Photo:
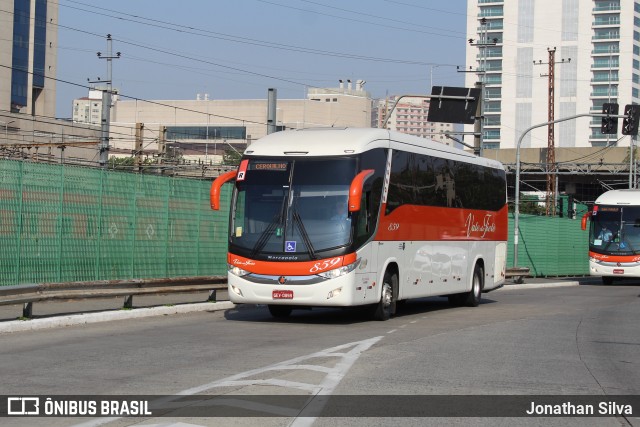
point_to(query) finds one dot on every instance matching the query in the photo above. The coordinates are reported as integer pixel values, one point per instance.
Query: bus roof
(619, 197)
(341, 141)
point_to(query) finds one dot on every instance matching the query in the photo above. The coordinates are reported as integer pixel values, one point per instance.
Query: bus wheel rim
(386, 295)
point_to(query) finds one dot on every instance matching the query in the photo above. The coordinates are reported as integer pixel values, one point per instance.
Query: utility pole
(162, 146)
(478, 126)
(106, 105)
(138, 150)
(481, 71)
(551, 193)
(633, 180)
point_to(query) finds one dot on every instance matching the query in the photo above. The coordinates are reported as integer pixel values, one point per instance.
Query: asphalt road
(570, 340)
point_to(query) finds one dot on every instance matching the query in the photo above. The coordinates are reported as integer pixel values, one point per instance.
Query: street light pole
(106, 104)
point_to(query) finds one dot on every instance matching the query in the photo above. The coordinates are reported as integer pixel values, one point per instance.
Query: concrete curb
(540, 285)
(107, 316)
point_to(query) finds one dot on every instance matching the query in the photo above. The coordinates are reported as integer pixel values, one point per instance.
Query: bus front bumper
(336, 292)
(615, 269)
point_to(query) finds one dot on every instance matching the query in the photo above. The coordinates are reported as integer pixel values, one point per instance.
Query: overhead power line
(200, 32)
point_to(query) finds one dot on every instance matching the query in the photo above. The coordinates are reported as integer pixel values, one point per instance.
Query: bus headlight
(237, 271)
(341, 271)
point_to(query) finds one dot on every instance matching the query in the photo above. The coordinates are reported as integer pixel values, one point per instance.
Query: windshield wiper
(266, 234)
(625, 242)
(303, 233)
(264, 237)
(610, 242)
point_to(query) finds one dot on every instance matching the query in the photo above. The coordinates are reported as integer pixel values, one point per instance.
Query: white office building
(597, 60)
(89, 109)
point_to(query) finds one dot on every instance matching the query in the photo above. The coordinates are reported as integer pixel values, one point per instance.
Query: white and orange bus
(347, 217)
(614, 235)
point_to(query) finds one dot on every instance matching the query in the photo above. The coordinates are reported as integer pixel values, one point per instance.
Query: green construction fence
(62, 223)
(550, 246)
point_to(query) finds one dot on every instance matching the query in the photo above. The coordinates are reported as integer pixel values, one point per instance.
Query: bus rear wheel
(280, 311)
(472, 298)
(386, 307)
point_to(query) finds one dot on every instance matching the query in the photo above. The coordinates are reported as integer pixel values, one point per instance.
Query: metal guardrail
(517, 273)
(28, 294)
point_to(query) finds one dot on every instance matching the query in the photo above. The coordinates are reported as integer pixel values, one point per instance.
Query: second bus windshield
(615, 230)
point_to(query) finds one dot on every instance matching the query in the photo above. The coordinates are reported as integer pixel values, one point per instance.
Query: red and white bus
(614, 235)
(347, 217)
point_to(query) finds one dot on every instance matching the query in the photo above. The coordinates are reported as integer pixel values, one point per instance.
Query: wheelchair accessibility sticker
(290, 246)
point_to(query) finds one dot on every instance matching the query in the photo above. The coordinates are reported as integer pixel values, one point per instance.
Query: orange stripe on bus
(290, 268)
(615, 258)
(426, 223)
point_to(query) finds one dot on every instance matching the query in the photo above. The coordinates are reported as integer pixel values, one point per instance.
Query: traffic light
(609, 124)
(630, 122)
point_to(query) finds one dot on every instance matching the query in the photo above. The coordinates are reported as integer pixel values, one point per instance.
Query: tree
(126, 163)
(529, 205)
(231, 157)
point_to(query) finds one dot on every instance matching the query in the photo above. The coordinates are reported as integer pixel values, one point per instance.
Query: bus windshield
(293, 208)
(615, 230)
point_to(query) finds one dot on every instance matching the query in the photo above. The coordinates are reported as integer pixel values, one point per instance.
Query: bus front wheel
(386, 307)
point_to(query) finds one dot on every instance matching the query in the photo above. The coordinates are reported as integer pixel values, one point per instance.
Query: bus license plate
(618, 271)
(282, 294)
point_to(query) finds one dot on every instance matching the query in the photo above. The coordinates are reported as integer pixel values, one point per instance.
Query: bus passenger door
(366, 285)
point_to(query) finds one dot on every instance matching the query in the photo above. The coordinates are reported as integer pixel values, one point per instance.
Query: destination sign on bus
(609, 209)
(598, 208)
(268, 166)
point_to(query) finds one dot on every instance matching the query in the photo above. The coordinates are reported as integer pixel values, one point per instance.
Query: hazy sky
(237, 49)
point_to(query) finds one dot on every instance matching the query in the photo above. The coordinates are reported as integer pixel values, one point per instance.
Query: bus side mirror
(214, 193)
(355, 190)
(585, 217)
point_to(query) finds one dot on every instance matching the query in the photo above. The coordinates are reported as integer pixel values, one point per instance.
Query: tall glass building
(599, 41)
(28, 43)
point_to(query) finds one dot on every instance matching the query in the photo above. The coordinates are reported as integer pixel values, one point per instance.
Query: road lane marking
(347, 354)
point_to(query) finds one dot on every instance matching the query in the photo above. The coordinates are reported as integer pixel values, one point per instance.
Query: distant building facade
(205, 128)
(28, 55)
(89, 109)
(410, 116)
(28, 45)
